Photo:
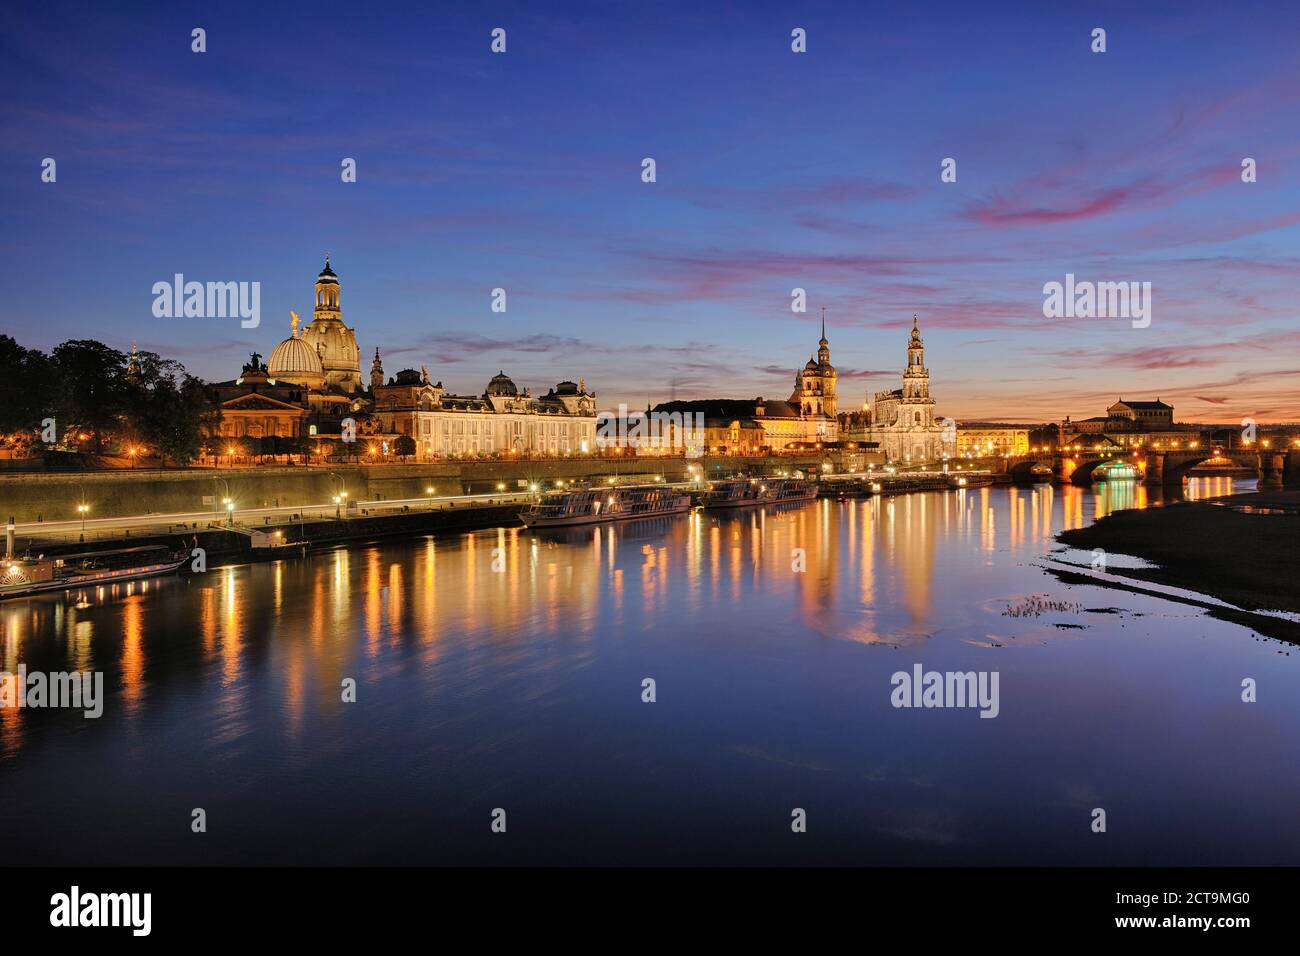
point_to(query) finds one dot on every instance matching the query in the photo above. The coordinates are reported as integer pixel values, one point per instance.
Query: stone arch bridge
(1275, 468)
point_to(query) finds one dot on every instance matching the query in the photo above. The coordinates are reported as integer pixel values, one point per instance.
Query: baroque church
(902, 421)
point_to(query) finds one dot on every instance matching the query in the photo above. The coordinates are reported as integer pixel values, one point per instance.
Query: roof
(730, 409)
(1156, 404)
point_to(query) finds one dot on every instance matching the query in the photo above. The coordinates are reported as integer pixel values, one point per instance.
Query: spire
(823, 323)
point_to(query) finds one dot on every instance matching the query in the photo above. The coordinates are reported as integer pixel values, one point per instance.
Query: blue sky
(775, 170)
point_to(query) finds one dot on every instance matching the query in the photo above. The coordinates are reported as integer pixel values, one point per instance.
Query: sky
(775, 170)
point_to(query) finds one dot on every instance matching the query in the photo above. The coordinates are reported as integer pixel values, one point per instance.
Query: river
(505, 670)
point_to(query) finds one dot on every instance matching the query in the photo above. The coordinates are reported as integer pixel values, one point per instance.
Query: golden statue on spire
(294, 322)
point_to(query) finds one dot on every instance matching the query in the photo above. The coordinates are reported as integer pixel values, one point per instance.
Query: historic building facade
(756, 426)
(814, 384)
(256, 406)
(311, 387)
(1130, 424)
(502, 420)
(991, 439)
(902, 422)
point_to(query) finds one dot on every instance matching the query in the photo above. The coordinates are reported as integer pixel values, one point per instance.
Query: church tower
(334, 342)
(916, 377)
(376, 372)
(827, 372)
(814, 385)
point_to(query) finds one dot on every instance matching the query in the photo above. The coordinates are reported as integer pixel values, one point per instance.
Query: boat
(1115, 471)
(757, 491)
(24, 577)
(558, 509)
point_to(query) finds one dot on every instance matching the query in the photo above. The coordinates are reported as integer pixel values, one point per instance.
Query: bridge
(1275, 468)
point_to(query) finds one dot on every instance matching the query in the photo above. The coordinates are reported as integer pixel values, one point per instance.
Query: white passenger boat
(757, 491)
(556, 509)
(24, 577)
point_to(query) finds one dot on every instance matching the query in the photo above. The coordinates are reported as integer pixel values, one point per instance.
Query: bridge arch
(1173, 467)
(1033, 469)
(1081, 472)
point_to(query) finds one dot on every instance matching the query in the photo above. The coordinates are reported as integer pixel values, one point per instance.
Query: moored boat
(742, 493)
(24, 577)
(556, 509)
(1115, 471)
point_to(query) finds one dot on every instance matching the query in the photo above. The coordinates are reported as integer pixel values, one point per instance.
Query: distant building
(500, 421)
(333, 342)
(1129, 424)
(256, 406)
(902, 421)
(737, 426)
(1146, 416)
(315, 369)
(991, 439)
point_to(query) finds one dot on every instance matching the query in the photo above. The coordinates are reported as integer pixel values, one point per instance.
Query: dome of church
(502, 385)
(295, 361)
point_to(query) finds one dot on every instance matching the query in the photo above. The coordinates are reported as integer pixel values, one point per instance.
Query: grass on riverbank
(1249, 560)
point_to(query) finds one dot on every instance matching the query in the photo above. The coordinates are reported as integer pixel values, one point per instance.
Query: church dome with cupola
(502, 384)
(333, 342)
(293, 360)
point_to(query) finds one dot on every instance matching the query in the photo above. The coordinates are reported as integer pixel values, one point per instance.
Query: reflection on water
(504, 668)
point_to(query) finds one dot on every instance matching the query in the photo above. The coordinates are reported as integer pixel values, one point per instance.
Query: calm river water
(521, 689)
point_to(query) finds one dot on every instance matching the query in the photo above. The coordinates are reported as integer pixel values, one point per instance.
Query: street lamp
(82, 509)
(224, 484)
(338, 501)
(230, 512)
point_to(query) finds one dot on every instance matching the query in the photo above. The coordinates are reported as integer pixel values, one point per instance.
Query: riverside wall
(54, 496)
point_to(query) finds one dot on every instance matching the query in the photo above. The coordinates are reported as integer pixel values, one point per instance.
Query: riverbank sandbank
(1248, 559)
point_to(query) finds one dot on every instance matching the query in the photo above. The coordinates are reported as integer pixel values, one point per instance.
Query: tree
(169, 409)
(404, 447)
(300, 445)
(29, 390)
(92, 384)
